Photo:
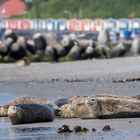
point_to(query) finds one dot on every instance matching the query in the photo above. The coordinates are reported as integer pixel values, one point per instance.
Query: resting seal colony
(31, 110)
(45, 102)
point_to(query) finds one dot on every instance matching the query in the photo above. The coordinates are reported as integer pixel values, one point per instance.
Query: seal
(61, 101)
(69, 111)
(110, 107)
(30, 113)
(80, 106)
(45, 102)
(76, 99)
(74, 107)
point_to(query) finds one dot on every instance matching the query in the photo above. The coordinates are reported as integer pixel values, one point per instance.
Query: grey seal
(30, 113)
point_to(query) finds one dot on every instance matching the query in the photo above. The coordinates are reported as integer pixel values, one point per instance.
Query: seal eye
(93, 100)
(14, 108)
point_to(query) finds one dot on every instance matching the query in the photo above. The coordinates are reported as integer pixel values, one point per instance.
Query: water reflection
(35, 133)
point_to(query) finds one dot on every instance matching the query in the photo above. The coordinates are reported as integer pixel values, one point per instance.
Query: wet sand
(54, 80)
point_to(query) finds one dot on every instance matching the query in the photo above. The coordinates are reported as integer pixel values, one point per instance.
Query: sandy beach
(55, 80)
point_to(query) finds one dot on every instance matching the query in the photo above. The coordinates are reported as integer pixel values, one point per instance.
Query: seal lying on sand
(61, 101)
(71, 111)
(84, 107)
(30, 113)
(110, 107)
(74, 107)
(45, 102)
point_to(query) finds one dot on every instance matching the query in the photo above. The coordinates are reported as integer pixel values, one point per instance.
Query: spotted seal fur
(78, 106)
(45, 102)
(110, 107)
(74, 103)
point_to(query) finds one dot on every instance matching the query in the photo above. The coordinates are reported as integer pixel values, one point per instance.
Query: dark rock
(64, 129)
(93, 130)
(79, 129)
(106, 128)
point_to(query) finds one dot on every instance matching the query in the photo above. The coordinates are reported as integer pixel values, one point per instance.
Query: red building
(10, 8)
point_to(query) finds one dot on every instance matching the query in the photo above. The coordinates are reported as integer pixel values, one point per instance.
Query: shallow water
(48, 131)
(5, 97)
(9, 132)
